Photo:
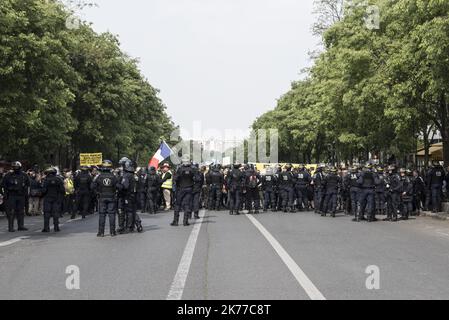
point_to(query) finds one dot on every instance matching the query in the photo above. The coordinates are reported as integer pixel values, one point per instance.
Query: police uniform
(15, 188)
(106, 185)
(53, 191)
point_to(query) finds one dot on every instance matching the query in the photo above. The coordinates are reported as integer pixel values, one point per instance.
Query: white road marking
(297, 272)
(12, 241)
(179, 282)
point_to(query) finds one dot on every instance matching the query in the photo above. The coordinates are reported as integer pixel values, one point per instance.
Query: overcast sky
(221, 62)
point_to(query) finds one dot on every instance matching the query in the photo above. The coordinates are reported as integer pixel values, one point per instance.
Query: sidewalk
(441, 215)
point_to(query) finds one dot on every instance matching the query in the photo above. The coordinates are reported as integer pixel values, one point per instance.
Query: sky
(219, 64)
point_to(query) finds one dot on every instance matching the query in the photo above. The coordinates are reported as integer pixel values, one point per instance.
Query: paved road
(268, 256)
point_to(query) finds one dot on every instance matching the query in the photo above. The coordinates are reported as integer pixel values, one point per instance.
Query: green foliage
(370, 90)
(70, 90)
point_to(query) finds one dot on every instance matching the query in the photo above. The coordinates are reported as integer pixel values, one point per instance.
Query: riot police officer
(406, 195)
(367, 184)
(198, 180)
(269, 182)
(286, 185)
(252, 179)
(82, 184)
(435, 178)
(184, 180)
(235, 182)
(106, 185)
(128, 187)
(393, 185)
(353, 185)
(303, 179)
(317, 181)
(53, 191)
(215, 180)
(154, 183)
(142, 190)
(14, 187)
(331, 185)
(380, 191)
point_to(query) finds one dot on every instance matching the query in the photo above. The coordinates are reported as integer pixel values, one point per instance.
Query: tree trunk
(445, 129)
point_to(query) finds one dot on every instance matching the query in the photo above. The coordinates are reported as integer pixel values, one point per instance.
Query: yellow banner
(91, 159)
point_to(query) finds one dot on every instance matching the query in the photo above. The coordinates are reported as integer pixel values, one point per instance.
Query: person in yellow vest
(167, 185)
(69, 197)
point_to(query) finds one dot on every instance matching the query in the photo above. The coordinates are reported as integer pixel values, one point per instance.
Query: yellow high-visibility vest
(169, 183)
(68, 185)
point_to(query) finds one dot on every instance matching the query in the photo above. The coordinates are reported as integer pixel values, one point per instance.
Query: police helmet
(106, 164)
(50, 171)
(16, 165)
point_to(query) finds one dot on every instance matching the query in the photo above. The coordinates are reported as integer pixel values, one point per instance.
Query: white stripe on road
(179, 282)
(300, 276)
(12, 241)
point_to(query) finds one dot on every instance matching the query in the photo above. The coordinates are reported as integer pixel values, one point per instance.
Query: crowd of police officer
(361, 191)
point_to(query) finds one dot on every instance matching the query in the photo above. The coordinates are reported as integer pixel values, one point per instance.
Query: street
(270, 256)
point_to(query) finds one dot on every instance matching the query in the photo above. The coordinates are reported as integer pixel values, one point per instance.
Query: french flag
(163, 153)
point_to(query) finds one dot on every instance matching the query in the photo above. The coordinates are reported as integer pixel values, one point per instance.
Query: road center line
(297, 272)
(12, 241)
(179, 282)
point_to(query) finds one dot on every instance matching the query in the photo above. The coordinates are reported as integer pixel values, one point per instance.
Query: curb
(439, 216)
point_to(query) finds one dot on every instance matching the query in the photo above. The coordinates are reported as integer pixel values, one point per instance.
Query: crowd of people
(365, 192)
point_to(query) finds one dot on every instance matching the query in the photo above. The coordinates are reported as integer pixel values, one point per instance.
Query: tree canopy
(65, 91)
(370, 91)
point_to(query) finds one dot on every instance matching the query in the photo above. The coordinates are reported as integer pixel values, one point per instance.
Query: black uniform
(393, 196)
(435, 178)
(142, 191)
(197, 188)
(286, 189)
(184, 181)
(252, 180)
(15, 188)
(303, 180)
(106, 186)
(367, 183)
(407, 197)
(154, 183)
(331, 184)
(318, 178)
(215, 180)
(128, 187)
(82, 184)
(235, 182)
(53, 191)
(269, 183)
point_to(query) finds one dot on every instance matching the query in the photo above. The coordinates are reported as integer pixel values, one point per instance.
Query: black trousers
(330, 202)
(52, 209)
(269, 199)
(15, 209)
(107, 207)
(252, 199)
(83, 201)
(183, 203)
(152, 201)
(235, 197)
(196, 201)
(214, 197)
(302, 197)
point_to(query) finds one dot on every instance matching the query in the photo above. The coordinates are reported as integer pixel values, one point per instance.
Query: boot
(197, 216)
(186, 219)
(57, 228)
(139, 227)
(100, 234)
(256, 212)
(11, 225)
(333, 215)
(231, 212)
(175, 222)
(113, 233)
(73, 216)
